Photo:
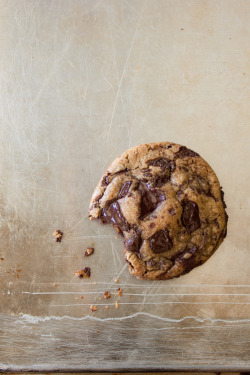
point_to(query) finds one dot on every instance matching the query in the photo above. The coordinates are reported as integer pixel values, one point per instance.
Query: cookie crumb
(119, 290)
(116, 280)
(116, 305)
(82, 297)
(100, 298)
(58, 235)
(106, 307)
(55, 284)
(89, 251)
(95, 282)
(93, 308)
(84, 273)
(2, 258)
(106, 294)
(76, 298)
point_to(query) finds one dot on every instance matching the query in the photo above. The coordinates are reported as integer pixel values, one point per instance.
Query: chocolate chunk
(160, 241)
(133, 243)
(150, 199)
(151, 225)
(185, 152)
(167, 166)
(159, 162)
(105, 181)
(204, 185)
(113, 215)
(124, 189)
(190, 216)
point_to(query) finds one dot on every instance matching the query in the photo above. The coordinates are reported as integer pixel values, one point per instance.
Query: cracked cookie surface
(166, 201)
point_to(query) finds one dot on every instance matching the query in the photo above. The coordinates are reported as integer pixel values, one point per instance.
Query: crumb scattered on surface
(106, 294)
(119, 290)
(100, 298)
(58, 235)
(93, 308)
(2, 258)
(116, 305)
(55, 284)
(182, 28)
(82, 297)
(84, 273)
(131, 297)
(89, 251)
(95, 282)
(106, 307)
(97, 330)
(76, 298)
(116, 280)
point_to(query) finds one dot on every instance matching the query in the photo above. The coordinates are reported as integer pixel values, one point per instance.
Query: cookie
(166, 201)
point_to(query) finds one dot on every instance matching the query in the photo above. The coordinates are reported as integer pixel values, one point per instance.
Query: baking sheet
(82, 81)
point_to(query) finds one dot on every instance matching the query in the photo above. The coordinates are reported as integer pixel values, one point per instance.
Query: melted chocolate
(190, 216)
(160, 241)
(150, 199)
(124, 189)
(185, 152)
(112, 214)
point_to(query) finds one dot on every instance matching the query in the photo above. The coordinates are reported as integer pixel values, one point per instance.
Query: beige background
(82, 81)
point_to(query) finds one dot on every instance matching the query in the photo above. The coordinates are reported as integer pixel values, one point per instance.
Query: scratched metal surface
(81, 81)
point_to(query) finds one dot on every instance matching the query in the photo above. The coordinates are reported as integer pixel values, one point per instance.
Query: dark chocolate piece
(105, 181)
(113, 215)
(150, 199)
(185, 152)
(160, 241)
(190, 216)
(160, 162)
(124, 189)
(133, 243)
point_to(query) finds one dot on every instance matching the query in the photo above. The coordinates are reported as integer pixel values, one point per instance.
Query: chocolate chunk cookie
(166, 202)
